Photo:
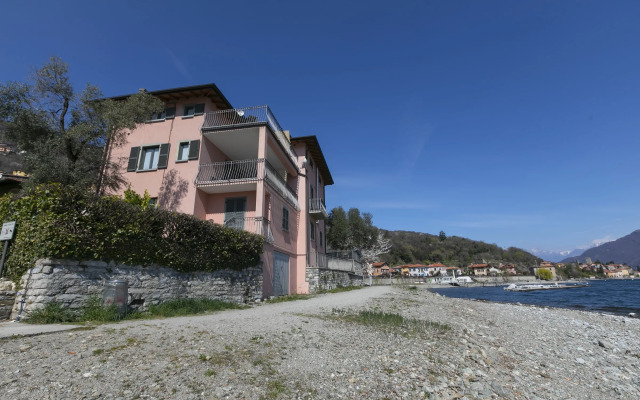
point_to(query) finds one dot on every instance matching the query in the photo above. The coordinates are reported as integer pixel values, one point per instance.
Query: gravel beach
(295, 350)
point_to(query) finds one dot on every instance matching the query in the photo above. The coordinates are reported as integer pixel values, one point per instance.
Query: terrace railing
(257, 225)
(317, 260)
(243, 171)
(316, 206)
(249, 116)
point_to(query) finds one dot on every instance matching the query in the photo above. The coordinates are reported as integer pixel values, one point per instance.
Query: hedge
(57, 222)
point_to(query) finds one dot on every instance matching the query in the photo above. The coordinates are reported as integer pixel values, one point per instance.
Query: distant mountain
(624, 250)
(556, 256)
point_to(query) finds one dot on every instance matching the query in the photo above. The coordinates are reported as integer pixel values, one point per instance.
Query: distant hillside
(624, 250)
(416, 247)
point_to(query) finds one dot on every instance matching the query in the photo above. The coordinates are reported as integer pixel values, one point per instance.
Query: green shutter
(170, 112)
(163, 159)
(133, 159)
(199, 109)
(194, 149)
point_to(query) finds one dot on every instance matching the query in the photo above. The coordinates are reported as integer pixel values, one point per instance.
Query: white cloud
(598, 242)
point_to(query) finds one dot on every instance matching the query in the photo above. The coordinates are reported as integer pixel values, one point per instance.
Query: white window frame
(142, 158)
(186, 156)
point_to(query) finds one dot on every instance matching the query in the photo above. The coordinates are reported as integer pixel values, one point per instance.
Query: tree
(442, 236)
(66, 135)
(351, 230)
(381, 246)
(544, 274)
(338, 233)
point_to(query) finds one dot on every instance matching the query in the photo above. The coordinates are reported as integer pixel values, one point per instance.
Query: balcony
(242, 175)
(257, 225)
(317, 209)
(247, 117)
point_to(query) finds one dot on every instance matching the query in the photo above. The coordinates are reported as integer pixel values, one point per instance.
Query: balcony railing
(244, 171)
(316, 260)
(249, 116)
(317, 208)
(257, 225)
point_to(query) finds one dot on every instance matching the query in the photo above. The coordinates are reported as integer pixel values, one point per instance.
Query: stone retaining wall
(339, 264)
(7, 298)
(326, 279)
(72, 282)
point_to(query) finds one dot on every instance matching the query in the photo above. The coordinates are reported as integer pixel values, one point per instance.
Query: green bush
(544, 274)
(51, 313)
(95, 311)
(57, 222)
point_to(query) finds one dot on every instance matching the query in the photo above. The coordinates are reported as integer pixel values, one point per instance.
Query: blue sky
(511, 122)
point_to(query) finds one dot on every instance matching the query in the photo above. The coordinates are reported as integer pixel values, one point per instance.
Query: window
(285, 219)
(311, 191)
(183, 151)
(188, 150)
(190, 110)
(321, 239)
(153, 202)
(148, 158)
(312, 230)
(167, 113)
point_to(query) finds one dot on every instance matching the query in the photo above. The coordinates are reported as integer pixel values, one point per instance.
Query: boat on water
(528, 287)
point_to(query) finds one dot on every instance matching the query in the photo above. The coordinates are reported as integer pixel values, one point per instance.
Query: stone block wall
(72, 282)
(339, 264)
(326, 279)
(7, 298)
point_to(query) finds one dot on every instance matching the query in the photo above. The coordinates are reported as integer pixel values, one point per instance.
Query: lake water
(614, 296)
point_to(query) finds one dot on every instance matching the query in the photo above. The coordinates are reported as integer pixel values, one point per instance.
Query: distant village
(437, 270)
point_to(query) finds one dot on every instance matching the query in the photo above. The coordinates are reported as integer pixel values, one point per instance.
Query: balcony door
(234, 211)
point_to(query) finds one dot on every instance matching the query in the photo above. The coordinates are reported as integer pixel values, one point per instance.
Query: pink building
(235, 167)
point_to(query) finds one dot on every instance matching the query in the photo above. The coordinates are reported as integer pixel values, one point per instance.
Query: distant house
(479, 269)
(417, 270)
(508, 269)
(377, 268)
(12, 183)
(616, 273)
(434, 269)
(545, 265)
(6, 148)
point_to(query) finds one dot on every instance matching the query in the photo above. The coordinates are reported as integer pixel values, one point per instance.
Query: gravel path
(289, 350)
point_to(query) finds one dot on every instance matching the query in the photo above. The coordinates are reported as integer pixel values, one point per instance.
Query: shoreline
(544, 299)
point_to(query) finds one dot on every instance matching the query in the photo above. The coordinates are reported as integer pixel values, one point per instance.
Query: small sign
(7, 230)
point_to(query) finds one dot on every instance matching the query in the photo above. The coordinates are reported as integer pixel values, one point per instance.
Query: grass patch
(275, 389)
(51, 313)
(179, 307)
(95, 311)
(290, 297)
(391, 322)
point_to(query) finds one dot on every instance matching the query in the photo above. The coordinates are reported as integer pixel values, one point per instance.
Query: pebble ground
(296, 350)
